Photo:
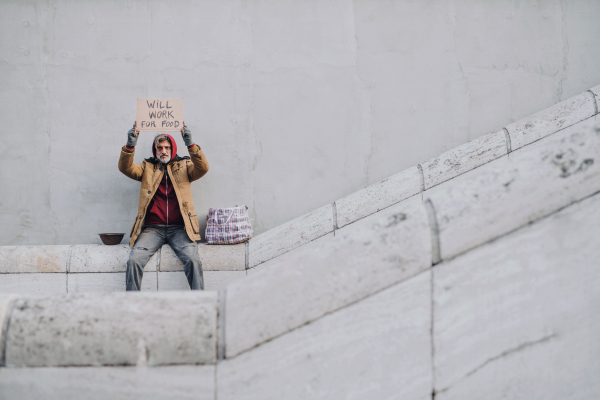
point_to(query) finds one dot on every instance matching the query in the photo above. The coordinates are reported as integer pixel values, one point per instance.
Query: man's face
(163, 151)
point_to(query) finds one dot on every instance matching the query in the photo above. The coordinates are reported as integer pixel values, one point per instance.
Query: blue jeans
(150, 240)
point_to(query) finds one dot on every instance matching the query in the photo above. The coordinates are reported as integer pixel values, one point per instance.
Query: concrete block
(216, 280)
(378, 196)
(226, 257)
(518, 317)
(101, 258)
(107, 282)
(290, 235)
(116, 383)
(33, 283)
(464, 158)
(363, 258)
(20, 259)
(291, 255)
(113, 329)
(222, 257)
(512, 191)
(378, 348)
(172, 281)
(213, 280)
(551, 120)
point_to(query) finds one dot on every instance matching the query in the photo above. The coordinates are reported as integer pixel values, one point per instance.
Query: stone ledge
(142, 329)
(101, 258)
(290, 235)
(89, 258)
(378, 196)
(33, 259)
(464, 158)
(510, 192)
(282, 259)
(551, 120)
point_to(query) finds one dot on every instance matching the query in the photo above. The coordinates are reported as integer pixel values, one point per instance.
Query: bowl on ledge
(111, 238)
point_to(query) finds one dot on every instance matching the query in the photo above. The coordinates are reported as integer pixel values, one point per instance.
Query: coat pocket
(194, 222)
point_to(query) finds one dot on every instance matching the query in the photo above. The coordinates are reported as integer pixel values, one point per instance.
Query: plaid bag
(228, 225)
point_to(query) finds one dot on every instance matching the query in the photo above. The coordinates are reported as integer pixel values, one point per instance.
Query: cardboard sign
(159, 114)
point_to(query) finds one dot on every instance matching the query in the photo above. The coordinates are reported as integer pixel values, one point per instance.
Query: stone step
(92, 329)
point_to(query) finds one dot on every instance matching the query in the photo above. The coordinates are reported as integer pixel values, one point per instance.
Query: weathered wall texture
(296, 104)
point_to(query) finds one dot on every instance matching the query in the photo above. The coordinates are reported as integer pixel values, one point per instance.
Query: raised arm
(199, 166)
(126, 165)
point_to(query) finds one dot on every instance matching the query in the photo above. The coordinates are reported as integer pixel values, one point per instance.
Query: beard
(164, 160)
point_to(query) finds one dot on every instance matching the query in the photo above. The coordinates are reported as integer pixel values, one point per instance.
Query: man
(166, 211)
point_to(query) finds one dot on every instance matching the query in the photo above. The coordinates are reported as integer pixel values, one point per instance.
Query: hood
(173, 147)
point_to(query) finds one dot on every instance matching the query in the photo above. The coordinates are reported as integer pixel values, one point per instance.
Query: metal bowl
(111, 238)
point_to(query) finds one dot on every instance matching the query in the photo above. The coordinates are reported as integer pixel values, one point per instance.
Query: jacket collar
(154, 161)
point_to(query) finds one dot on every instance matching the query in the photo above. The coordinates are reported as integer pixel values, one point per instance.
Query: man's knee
(189, 252)
(139, 256)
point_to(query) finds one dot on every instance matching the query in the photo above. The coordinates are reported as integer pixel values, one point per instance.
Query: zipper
(167, 193)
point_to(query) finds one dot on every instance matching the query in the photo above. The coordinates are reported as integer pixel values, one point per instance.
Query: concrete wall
(295, 104)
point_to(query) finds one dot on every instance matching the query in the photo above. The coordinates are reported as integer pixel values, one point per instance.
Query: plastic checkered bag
(228, 225)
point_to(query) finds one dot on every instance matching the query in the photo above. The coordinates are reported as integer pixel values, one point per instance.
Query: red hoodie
(164, 207)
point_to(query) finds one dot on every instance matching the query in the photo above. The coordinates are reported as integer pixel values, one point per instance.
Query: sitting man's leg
(146, 244)
(187, 251)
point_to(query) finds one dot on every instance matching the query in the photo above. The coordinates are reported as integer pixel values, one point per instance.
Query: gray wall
(295, 104)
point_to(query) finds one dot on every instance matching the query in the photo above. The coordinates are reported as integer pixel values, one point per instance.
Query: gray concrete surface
(33, 283)
(375, 349)
(295, 104)
(213, 280)
(184, 382)
(362, 259)
(107, 282)
(518, 317)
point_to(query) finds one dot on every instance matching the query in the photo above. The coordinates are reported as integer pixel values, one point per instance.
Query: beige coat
(182, 171)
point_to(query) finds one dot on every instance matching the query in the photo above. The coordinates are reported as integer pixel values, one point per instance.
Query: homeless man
(166, 210)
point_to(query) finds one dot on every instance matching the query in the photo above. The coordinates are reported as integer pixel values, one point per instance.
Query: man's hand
(186, 134)
(132, 136)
